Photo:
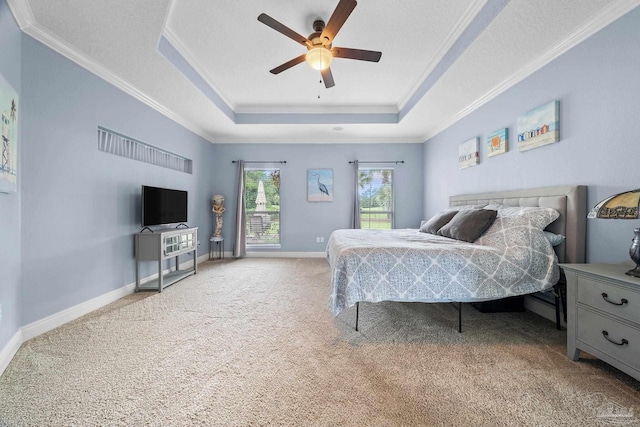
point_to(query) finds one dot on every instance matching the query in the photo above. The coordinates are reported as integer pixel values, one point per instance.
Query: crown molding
(456, 31)
(608, 15)
(178, 54)
(323, 141)
(197, 66)
(26, 20)
(22, 13)
(28, 24)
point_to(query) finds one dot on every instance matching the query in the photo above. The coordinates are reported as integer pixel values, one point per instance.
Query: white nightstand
(603, 314)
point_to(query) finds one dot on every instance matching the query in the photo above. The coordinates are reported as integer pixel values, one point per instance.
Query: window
(262, 206)
(376, 198)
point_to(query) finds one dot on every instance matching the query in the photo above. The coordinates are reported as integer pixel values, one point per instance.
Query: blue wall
(599, 91)
(67, 233)
(302, 221)
(10, 247)
(81, 206)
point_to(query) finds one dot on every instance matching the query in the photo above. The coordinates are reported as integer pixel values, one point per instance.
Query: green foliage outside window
(376, 198)
(271, 181)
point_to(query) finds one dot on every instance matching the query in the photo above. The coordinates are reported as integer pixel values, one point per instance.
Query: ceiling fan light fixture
(319, 58)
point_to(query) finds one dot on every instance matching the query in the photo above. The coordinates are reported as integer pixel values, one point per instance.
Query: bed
(411, 266)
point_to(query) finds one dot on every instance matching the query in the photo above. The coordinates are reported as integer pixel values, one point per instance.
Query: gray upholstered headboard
(569, 200)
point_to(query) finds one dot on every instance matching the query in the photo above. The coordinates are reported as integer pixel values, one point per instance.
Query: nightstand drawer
(590, 292)
(592, 328)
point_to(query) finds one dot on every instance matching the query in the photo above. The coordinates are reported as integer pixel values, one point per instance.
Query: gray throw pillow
(469, 224)
(554, 239)
(437, 222)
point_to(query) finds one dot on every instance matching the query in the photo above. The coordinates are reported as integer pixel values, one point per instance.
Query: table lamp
(622, 206)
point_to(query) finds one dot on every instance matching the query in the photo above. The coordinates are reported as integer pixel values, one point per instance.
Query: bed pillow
(554, 239)
(469, 224)
(437, 222)
(519, 238)
(538, 216)
(464, 207)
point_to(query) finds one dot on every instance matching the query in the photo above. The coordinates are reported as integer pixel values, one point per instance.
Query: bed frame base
(459, 316)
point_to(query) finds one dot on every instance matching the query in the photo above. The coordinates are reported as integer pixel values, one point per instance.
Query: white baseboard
(10, 350)
(48, 323)
(201, 259)
(60, 318)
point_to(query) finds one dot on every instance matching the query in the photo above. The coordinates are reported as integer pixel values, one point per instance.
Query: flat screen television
(163, 206)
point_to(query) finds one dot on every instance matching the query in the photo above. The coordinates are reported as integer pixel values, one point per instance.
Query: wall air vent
(124, 146)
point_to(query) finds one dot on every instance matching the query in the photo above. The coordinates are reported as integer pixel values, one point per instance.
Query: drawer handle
(605, 334)
(623, 301)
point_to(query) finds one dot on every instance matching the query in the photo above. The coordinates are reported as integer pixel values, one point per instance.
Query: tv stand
(161, 245)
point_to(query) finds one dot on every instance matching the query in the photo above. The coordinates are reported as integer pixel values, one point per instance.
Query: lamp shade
(619, 206)
(319, 58)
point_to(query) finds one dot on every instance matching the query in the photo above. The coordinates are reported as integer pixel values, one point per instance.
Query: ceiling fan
(319, 51)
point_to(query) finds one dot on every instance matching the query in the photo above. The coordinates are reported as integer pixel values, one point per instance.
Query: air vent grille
(124, 146)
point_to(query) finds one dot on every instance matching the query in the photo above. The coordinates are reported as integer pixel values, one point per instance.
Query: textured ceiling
(206, 63)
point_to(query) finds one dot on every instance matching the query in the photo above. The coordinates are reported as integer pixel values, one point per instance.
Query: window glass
(376, 198)
(262, 206)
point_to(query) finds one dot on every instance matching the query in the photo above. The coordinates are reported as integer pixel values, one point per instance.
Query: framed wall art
(497, 142)
(320, 185)
(468, 153)
(9, 143)
(539, 127)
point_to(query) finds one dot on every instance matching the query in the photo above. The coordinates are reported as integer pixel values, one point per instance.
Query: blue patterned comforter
(511, 258)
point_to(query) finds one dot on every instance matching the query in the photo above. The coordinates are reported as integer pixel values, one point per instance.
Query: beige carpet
(251, 342)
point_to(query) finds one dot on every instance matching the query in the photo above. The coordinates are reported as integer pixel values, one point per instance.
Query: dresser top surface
(165, 231)
(611, 271)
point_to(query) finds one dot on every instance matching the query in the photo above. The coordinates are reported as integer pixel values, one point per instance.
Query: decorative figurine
(218, 209)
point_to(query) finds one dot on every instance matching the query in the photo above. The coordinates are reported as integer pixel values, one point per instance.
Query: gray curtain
(356, 196)
(240, 244)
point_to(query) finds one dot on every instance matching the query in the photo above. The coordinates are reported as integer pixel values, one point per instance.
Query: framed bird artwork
(320, 185)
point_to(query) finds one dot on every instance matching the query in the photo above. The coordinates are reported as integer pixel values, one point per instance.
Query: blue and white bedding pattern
(513, 257)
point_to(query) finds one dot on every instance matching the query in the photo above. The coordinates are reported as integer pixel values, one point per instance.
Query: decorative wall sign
(468, 153)
(497, 142)
(9, 143)
(320, 185)
(539, 127)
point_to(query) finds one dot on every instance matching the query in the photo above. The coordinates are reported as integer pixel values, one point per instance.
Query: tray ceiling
(205, 64)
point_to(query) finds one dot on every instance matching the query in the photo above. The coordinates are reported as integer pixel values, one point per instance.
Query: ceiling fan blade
(283, 29)
(289, 64)
(327, 78)
(359, 54)
(339, 16)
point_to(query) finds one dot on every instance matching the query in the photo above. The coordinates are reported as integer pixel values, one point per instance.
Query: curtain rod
(261, 161)
(384, 161)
